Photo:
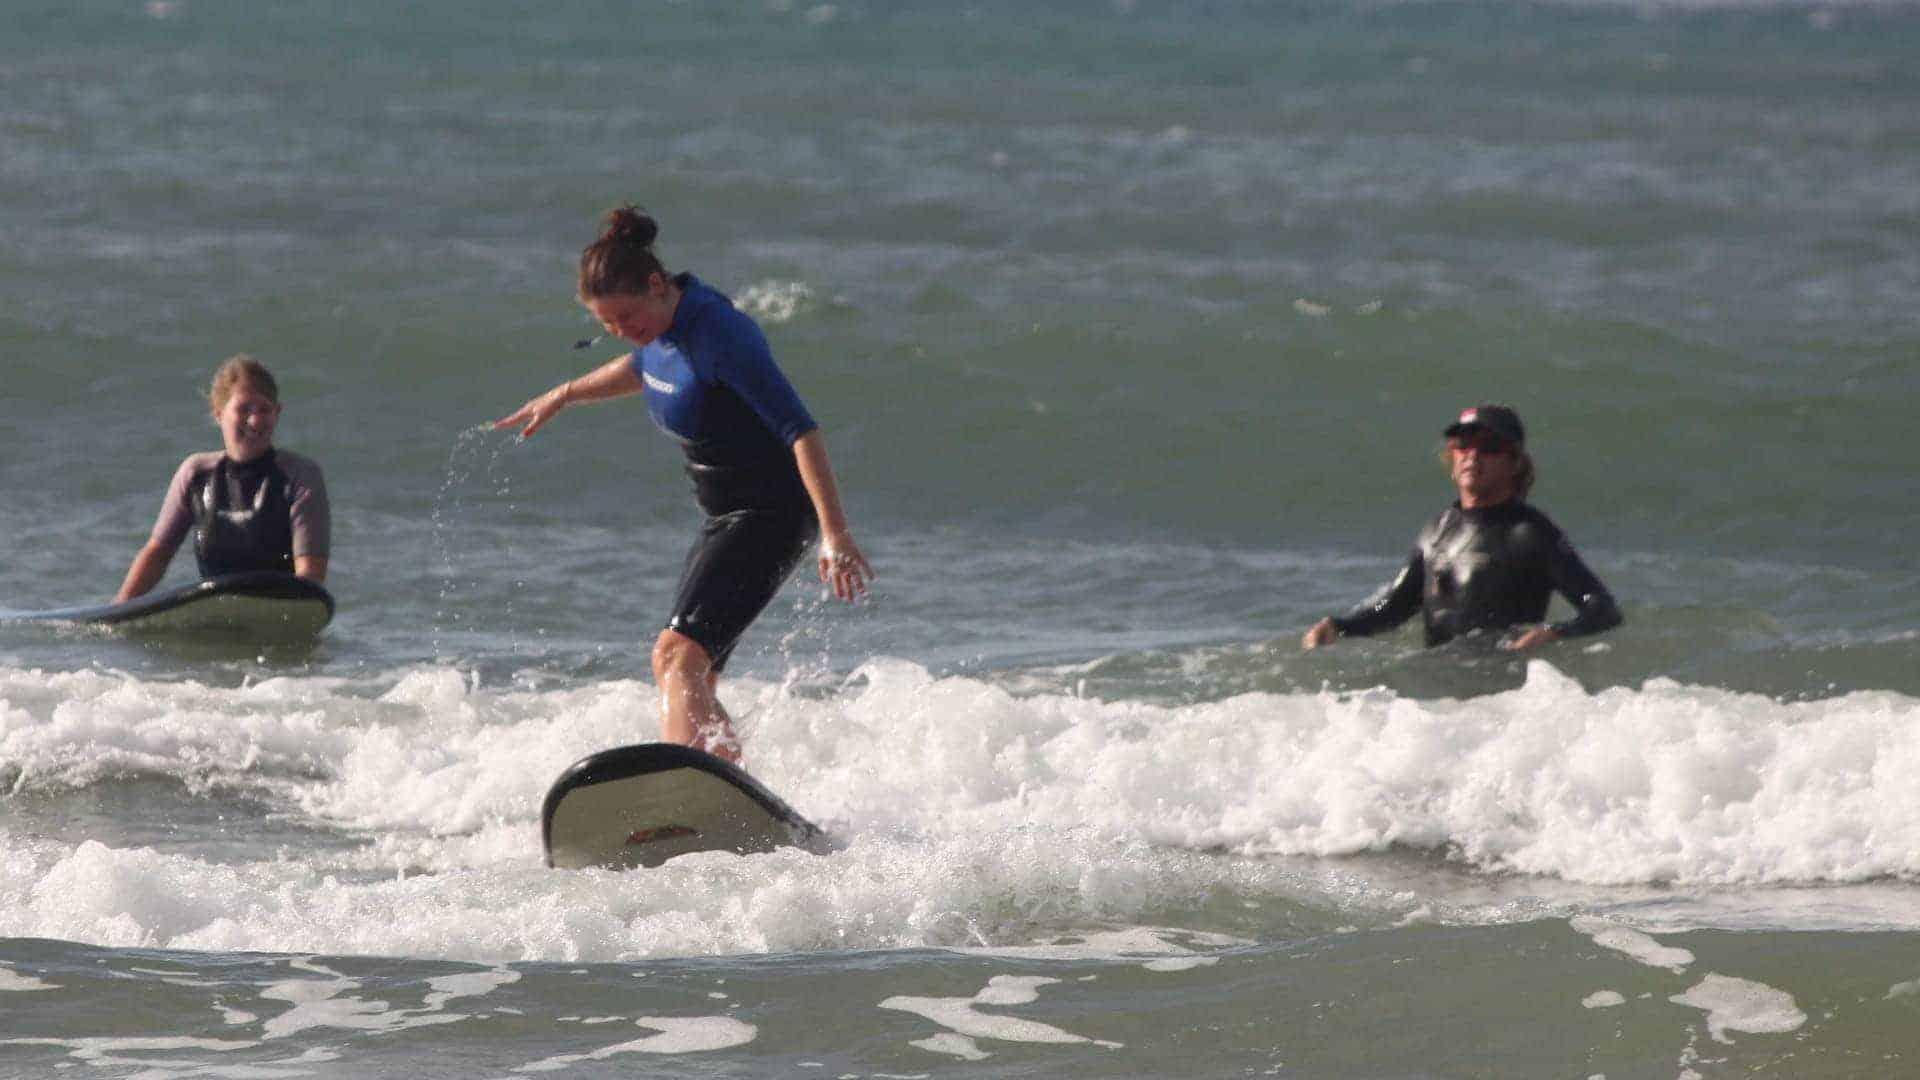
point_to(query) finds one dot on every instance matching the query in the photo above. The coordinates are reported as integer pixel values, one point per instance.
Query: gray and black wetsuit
(245, 516)
(1485, 570)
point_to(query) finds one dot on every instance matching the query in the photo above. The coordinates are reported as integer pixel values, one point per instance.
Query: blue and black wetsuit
(1483, 571)
(711, 383)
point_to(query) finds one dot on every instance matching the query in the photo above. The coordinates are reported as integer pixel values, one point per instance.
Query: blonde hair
(238, 369)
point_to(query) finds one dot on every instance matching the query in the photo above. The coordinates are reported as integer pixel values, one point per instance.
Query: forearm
(816, 472)
(1389, 607)
(311, 567)
(1594, 609)
(149, 566)
(615, 378)
(1593, 614)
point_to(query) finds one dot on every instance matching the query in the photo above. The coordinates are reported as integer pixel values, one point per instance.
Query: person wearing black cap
(1489, 563)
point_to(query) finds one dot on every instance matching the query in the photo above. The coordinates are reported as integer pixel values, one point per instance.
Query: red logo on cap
(1469, 416)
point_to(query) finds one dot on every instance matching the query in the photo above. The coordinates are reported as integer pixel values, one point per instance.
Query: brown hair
(238, 369)
(1522, 474)
(621, 262)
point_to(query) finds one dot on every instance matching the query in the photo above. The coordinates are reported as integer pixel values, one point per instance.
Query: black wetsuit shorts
(759, 526)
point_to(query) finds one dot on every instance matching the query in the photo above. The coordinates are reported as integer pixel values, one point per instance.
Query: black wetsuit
(242, 518)
(1485, 570)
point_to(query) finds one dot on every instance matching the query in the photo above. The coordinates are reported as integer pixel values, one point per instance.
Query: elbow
(1608, 616)
(1597, 616)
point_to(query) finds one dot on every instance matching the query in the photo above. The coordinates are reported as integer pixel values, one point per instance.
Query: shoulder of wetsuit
(1532, 515)
(1437, 524)
(294, 464)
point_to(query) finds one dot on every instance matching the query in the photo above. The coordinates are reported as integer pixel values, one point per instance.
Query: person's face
(1485, 467)
(246, 422)
(638, 317)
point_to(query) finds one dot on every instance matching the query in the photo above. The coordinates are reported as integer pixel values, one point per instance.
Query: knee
(677, 655)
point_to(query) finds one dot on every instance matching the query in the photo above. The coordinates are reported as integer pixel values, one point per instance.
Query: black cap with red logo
(1493, 419)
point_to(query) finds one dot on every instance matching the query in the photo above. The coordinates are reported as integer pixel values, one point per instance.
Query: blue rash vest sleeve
(743, 362)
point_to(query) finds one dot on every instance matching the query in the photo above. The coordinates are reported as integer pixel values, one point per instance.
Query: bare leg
(690, 709)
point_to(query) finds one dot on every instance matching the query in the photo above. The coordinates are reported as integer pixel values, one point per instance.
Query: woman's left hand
(844, 567)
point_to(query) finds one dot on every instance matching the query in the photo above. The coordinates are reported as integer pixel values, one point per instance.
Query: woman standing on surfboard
(757, 459)
(249, 506)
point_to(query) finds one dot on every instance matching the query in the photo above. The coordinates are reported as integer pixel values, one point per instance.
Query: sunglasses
(1480, 443)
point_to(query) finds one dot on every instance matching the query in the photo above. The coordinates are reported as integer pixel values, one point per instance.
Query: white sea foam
(112, 1053)
(953, 1045)
(1180, 963)
(1666, 783)
(1158, 942)
(877, 893)
(12, 981)
(775, 301)
(325, 1003)
(1603, 999)
(470, 984)
(1624, 939)
(676, 1035)
(1742, 1005)
(973, 816)
(961, 1017)
(75, 728)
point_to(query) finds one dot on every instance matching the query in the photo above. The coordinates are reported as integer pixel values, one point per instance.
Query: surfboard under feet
(638, 806)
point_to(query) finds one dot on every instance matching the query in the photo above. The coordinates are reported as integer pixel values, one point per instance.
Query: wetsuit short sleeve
(309, 512)
(1391, 606)
(743, 362)
(176, 510)
(1594, 607)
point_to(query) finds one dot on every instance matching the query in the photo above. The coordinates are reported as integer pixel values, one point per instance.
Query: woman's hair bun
(621, 261)
(630, 225)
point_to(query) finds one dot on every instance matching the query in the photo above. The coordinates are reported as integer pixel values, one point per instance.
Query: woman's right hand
(534, 415)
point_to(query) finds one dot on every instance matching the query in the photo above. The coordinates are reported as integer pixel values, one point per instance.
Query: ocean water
(1132, 327)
